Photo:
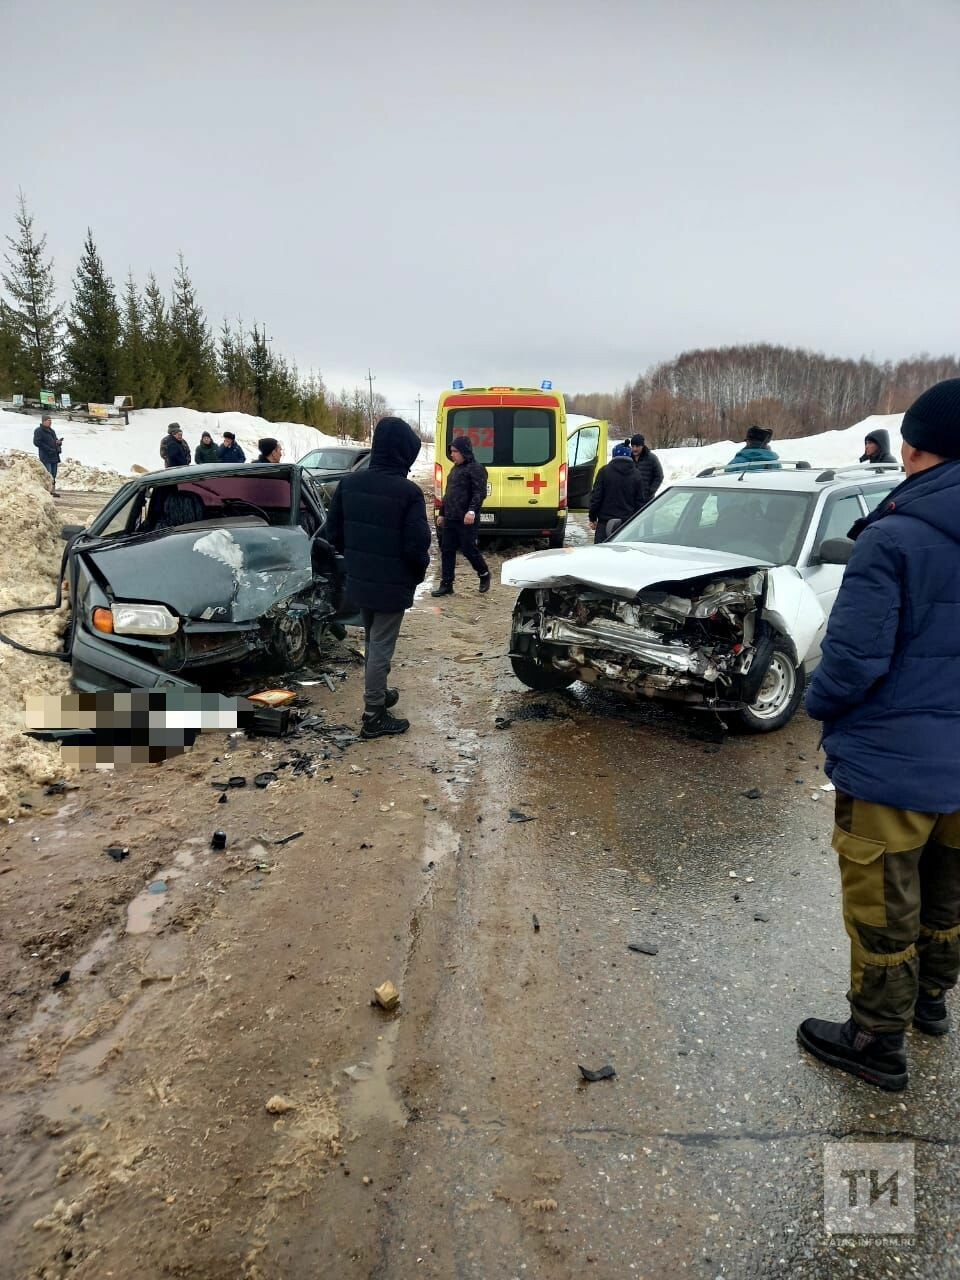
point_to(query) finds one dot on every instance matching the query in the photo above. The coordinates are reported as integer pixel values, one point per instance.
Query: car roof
(814, 480)
(173, 474)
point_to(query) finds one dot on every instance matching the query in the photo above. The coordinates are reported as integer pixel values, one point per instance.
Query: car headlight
(143, 620)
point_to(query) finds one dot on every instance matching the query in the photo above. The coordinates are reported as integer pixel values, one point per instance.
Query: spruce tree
(93, 331)
(36, 317)
(14, 371)
(139, 377)
(236, 374)
(192, 344)
(160, 345)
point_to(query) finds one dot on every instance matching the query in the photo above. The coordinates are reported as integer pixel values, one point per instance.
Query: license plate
(487, 517)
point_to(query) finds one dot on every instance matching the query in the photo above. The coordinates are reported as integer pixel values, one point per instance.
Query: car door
(586, 452)
(839, 512)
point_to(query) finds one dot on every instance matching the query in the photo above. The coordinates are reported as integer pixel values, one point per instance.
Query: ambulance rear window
(506, 437)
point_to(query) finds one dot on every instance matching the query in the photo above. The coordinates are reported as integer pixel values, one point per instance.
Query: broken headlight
(143, 620)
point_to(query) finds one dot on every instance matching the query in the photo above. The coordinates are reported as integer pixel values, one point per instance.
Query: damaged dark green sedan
(196, 568)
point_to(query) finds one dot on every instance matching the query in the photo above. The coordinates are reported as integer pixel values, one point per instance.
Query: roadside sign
(48, 398)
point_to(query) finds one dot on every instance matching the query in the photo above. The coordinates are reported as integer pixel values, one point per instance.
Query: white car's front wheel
(778, 697)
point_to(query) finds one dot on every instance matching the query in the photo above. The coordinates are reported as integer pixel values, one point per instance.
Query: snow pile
(30, 553)
(116, 447)
(830, 449)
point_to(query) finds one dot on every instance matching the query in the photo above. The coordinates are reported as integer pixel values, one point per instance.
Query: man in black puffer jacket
(378, 519)
(648, 466)
(617, 493)
(459, 517)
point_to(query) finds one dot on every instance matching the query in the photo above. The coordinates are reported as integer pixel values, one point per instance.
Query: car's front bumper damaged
(698, 641)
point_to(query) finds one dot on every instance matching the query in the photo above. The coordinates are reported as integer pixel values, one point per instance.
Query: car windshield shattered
(759, 524)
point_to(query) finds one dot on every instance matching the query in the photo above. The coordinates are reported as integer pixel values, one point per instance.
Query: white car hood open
(624, 568)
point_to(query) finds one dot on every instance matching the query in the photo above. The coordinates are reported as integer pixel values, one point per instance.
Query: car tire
(540, 676)
(780, 695)
(290, 642)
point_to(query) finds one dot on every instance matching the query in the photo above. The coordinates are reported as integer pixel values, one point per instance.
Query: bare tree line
(715, 394)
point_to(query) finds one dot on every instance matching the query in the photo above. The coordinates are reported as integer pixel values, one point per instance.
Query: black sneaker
(484, 583)
(878, 1059)
(930, 1015)
(444, 589)
(392, 698)
(381, 724)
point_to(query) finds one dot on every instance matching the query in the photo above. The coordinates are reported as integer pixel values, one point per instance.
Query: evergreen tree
(93, 331)
(171, 387)
(261, 366)
(236, 374)
(139, 377)
(192, 344)
(36, 317)
(14, 372)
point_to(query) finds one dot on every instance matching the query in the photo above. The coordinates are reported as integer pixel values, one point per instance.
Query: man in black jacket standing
(174, 450)
(459, 517)
(378, 520)
(617, 493)
(648, 466)
(48, 445)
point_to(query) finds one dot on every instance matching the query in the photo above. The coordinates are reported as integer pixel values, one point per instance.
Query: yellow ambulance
(539, 467)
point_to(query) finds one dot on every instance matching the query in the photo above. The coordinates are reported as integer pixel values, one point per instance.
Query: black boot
(880, 1059)
(444, 589)
(930, 1015)
(392, 698)
(484, 583)
(379, 723)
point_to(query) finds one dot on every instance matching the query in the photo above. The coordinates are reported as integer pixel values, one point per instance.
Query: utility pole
(419, 403)
(371, 380)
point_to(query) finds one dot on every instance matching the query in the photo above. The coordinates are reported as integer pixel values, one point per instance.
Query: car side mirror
(835, 550)
(71, 531)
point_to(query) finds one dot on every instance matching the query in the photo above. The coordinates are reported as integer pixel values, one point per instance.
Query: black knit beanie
(266, 446)
(759, 436)
(462, 445)
(932, 423)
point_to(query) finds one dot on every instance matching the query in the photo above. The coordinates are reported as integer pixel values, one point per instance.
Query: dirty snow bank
(30, 554)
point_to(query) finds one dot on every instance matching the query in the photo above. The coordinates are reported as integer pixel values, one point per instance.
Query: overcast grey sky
(505, 191)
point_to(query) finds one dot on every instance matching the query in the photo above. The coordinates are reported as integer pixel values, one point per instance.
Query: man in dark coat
(876, 447)
(206, 451)
(888, 693)
(617, 493)
(230, 451)
(378, 519)
(458, 519)
(48, 445)
(174, 450)
(271, 450)
(648, 467)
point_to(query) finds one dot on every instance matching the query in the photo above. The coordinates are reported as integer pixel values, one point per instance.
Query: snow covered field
(122, 448)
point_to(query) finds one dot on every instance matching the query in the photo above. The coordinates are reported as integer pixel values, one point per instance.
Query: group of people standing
(628, 482)
(175, 451)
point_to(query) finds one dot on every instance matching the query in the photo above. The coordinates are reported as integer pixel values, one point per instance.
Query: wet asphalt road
(704, 1156)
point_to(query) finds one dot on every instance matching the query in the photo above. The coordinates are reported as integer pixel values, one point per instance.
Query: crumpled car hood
(216, 573)
(624, 568)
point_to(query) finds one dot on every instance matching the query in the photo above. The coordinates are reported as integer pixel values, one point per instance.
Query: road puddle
(440, 843)
(371, 1097)
(85, 1100)
(142, 908)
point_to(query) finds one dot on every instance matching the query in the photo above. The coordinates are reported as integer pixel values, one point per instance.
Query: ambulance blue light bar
(546, 385)
(458, 385)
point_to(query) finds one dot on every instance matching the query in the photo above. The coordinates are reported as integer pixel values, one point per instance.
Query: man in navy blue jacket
(378, 519)
(888, 693)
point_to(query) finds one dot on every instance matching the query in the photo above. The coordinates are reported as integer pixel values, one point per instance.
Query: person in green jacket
(206, 450)
(756, 449)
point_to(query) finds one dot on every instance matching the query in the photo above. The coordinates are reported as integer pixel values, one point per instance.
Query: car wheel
(290, 641)
(778, 697)
(540, 675)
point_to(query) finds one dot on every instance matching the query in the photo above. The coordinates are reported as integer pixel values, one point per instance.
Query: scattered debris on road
(643, 948)
(117, 852)
(517, 816)
(387, 995)
(278, 1105)
(602, 1073)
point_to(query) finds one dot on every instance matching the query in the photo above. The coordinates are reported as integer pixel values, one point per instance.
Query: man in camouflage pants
(888, 693)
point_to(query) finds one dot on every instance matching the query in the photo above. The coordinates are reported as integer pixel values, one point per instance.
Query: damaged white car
(716, 594)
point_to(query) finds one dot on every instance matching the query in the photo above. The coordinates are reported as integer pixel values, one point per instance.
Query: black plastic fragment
(517, 816)
(643, 948)
(117, 852)
(63, 979)
(237, 782)
(286, 839)
(218, 840)
(264, 779)
(536, 924)
(753, 794)
(602, 1073)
